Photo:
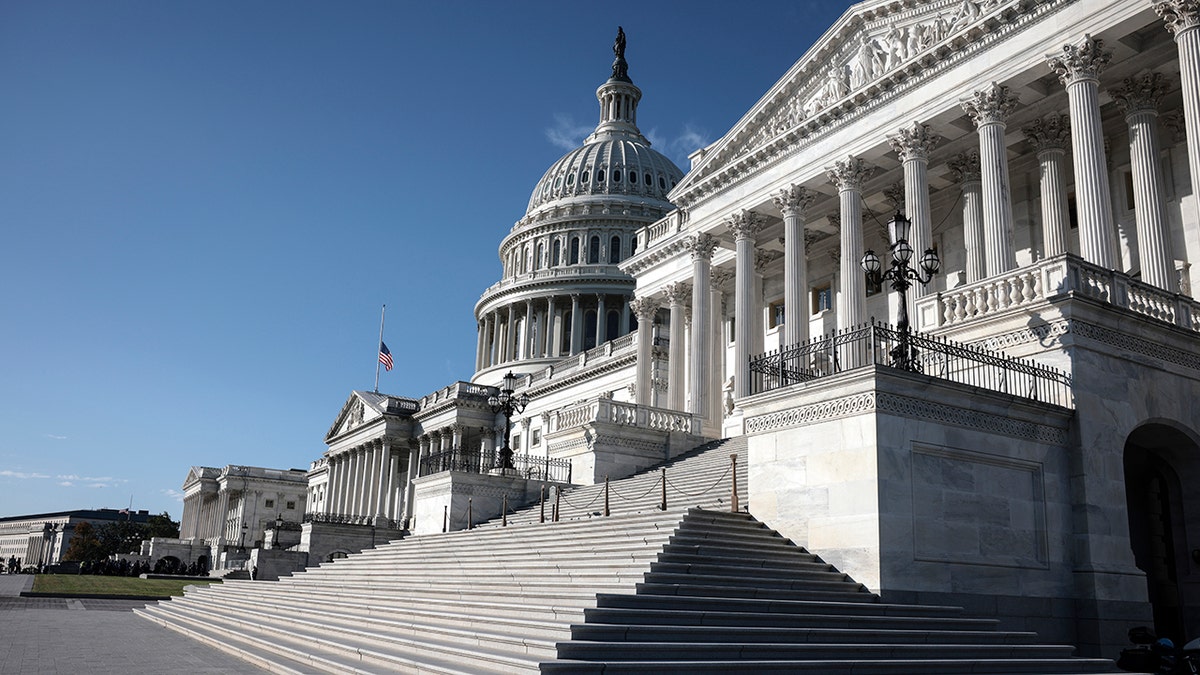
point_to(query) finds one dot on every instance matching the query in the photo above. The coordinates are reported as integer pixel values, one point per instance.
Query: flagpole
(382, 313)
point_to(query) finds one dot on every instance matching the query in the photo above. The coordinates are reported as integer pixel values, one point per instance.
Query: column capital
(966, 167)
(849, 173)
(991, 105)
(794, 199)
(1080, 61)
(745, 224)
(575, 298)
(1052, 132)
(1140, 94)
(914, 142)
(700, 246)
(1178, 15)
(678, 293)
(720, 277)
(644, 308)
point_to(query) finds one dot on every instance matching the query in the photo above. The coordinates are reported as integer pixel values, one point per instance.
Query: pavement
(73, 636)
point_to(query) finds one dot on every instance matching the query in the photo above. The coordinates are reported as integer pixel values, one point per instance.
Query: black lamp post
(278, 529)
(242, 541)
(902, 275)
(507, 404)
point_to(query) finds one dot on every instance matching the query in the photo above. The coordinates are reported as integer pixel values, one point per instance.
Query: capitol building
(1014, 433)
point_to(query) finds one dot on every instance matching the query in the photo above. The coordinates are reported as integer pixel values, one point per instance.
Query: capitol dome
(562, 290)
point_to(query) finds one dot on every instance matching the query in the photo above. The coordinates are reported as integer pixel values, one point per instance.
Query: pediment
(199, 473)
(874, 45)
(357, 411)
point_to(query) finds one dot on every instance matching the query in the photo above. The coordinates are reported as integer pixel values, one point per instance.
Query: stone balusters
(1139, 98)
(989, 110)
(1078, 67)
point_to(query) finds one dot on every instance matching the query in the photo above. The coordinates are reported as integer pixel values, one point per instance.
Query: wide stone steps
(643, 590)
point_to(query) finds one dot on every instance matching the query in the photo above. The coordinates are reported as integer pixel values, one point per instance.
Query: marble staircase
(696, 588)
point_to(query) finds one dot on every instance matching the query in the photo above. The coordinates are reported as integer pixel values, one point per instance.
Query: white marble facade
(1046, 150)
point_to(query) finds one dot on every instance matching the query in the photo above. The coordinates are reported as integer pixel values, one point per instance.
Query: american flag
(385, 357)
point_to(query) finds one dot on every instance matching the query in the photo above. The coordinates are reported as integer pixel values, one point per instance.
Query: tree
(162, 526)
(84, 545)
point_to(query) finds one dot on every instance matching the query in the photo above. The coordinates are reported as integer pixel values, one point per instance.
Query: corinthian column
(576, 325)
(644, 308)
(913, 144)
(745, 227)
(676, 372)
(1078, 68)
(848, 175)
(1049, 137)
(792, 202)
(701, 247)
(1139, 98)
(965, 166)
(1182, 18)
(989, 109)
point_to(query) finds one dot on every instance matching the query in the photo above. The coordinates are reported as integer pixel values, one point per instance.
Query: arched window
(537, 259)
(612, 324)
(589, 329)
(525, 260)
(614, 249)
(594, 250)
(633, 246)
(564, 346)
(616, 175)
(574, 254)
(555, 253)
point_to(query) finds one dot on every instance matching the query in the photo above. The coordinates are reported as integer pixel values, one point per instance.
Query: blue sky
(203, 206)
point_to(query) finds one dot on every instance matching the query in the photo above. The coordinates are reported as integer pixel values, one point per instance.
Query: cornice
(652, 257)
(562, 286)
(804, 80)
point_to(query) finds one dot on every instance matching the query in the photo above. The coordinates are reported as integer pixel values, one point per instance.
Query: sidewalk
(57, 636)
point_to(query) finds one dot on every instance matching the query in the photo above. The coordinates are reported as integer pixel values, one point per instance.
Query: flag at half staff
(385, 357)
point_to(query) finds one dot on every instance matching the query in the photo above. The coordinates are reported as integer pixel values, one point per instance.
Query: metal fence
(478, 461)
(350, 519)
(877, 344)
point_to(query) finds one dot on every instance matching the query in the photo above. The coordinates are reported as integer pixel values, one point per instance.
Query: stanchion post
(504, 510)
(557, 496)
(733, 498)
(470, 525)
(542, 504)
(606, 511)
(445, 517)
(664, 489)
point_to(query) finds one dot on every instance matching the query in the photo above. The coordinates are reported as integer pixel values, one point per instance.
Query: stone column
(989, 109)
(624, 310)
(414, 471)
(576, 325)
(793, 202)
(357, 479)
(644, 308)
(966, 171)
(422, 450)
(701, 247)
(479, 346)
(601, 321)
(745, 226)
(491, 345)
(1139, 98)
(1049, 137)
(330, 484)
(221, 515)
(391, 500)
(716, 364)
(550, 348)
(385, 478)
(346, 477)
(1182, 19)
(1078, 68)
(523, 350)
(510, 334)
(758, 331)
(676, 293)
(849, 175)
(913, 144)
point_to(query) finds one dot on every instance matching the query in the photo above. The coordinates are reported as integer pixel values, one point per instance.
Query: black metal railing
(478, 461)
(877, 344)
(352, 519)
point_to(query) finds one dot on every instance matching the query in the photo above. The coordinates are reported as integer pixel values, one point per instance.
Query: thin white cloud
(66, 483)
(566, 134)
(100, 485)
(21, 474)
(56, 437)
(173, 494)
(92, 479)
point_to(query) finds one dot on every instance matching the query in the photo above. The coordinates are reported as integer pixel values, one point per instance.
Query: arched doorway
(1162, 470)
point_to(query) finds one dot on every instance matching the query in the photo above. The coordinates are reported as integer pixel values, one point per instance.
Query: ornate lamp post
(902, 275)
(278, 529)
(507, 404)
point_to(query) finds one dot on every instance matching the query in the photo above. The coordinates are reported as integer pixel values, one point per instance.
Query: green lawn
(86, 583)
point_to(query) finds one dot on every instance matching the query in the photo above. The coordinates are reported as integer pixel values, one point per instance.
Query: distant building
(43, 537)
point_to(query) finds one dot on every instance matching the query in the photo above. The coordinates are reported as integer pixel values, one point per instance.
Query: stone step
(714, 568)
(756, 592)
(596, 632)
(648, 616)
(837, 667)
(840, 583)
(783, 564)
(764, 651)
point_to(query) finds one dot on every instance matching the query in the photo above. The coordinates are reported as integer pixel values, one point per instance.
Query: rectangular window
(270, 503)
(775, 314)
(516, 442)
(291, 506)
(537, 437)
(822, 299)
